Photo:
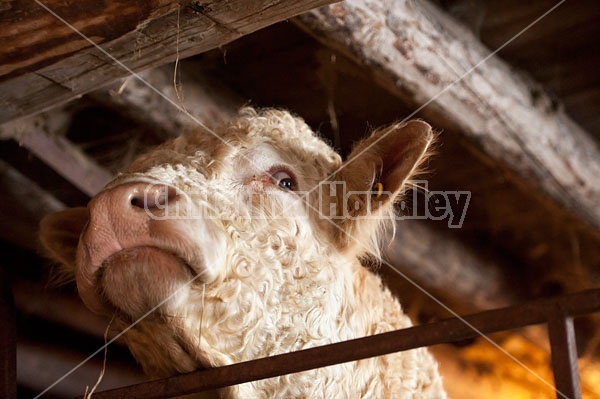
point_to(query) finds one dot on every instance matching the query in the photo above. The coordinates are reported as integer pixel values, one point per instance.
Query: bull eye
(284, 180)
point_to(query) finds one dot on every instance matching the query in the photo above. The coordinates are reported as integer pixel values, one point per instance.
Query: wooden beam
(24, 205)
(165, 113)
(428, 60)
(203, 97)
(46, 63)
(41, 134)
(436, 261)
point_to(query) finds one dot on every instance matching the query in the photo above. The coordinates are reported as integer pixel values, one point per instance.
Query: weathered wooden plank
(37, 46)
(436, 261)
(199, 98)
(41, 135)
(427, 59)
(31, 37)
(24, 205)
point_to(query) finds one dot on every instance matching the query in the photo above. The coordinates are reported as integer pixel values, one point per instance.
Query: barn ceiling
(531, 228)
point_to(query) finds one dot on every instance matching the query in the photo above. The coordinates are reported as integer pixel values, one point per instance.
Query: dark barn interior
(513, 88)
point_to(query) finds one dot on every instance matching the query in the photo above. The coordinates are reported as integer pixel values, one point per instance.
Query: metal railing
(557, 313)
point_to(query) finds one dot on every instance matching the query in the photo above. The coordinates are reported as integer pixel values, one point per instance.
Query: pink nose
(121, 217)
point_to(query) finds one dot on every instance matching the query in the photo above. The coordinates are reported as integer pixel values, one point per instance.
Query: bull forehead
(259, 158)
(251, 144)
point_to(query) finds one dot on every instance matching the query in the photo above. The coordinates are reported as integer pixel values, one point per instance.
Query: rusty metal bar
(8, 339)
(445, 331)
(564, 357)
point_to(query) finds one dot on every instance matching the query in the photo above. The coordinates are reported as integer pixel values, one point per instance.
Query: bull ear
(59, 234)
(382, 163)
(374, 176)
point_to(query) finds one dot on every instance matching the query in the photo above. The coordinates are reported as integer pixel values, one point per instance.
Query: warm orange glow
(481, 371)
(590, 379)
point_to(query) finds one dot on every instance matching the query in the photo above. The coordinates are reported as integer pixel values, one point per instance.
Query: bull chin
(140, 280)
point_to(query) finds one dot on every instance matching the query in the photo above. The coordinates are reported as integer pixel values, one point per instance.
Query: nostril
(137, 201)
(152, 197)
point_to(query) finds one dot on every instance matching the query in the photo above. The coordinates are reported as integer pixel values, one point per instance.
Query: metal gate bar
(557, 312)
(564, 356)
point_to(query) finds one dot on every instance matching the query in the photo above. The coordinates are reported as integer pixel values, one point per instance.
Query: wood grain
(427, 59)
(45, 63)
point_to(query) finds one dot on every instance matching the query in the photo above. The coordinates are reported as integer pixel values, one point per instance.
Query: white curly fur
(277, 283)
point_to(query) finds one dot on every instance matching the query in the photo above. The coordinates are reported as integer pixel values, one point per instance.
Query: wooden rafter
(426, 58)
(434, 262)
(44, 62)
(40, 134)
(24, 204)
(203, 98)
